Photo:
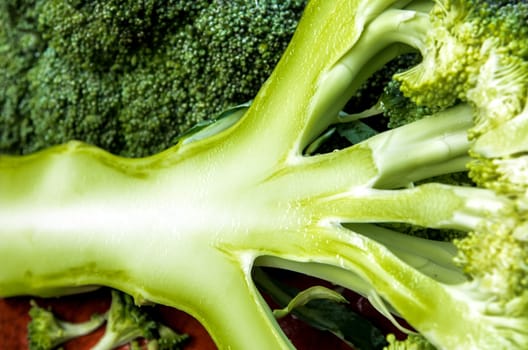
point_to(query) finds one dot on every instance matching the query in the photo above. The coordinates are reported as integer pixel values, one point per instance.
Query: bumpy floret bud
(459, 48)
(497, 259)
(499, 93)
(449, 60)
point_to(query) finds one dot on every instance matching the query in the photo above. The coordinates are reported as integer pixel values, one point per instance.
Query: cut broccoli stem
(154, 195)
(184, 227)
(392, 159)
(93, 172)
(432, 205)
(136, 184)
(433, 258)
(325, 85)
(383, 40)
(418, 151)
(413, 292)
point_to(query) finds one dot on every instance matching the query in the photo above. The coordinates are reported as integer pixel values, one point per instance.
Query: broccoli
(125, 324)
(412, 342)
(185, 227)
(45, 331)
(131, 76)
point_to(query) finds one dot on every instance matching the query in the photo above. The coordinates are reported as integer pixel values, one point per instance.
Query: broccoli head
(131, 76)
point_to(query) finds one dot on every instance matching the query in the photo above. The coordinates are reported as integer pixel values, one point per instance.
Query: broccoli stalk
(185, 226)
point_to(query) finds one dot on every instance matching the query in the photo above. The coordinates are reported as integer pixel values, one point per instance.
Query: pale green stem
(379, 43)
(393, 159)
(75, 216)
(319, 71)
(428, 205)
(410, 293)
(433, 258)
(431, 146)
(420, 5)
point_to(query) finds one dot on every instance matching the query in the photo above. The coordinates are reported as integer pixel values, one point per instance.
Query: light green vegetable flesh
(185, 227)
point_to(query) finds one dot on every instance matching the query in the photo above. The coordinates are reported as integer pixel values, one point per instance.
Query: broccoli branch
(329, 71)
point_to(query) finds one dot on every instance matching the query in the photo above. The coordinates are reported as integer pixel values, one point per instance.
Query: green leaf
(307, 295)
(355, 131)
(328, 314)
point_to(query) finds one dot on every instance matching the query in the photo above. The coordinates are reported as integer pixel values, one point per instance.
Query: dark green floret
(46, 331)
(131, 76)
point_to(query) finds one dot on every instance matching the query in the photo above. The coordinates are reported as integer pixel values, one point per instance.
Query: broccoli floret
(399, 109)
(168, 339)
(185, 226)
(111, 35)
(216, 63)
(131, 76)
(46, 332)
(20, 46)
(127, 323)
(464, 35)
(412, 342)
(68, 102)
(244, 40)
